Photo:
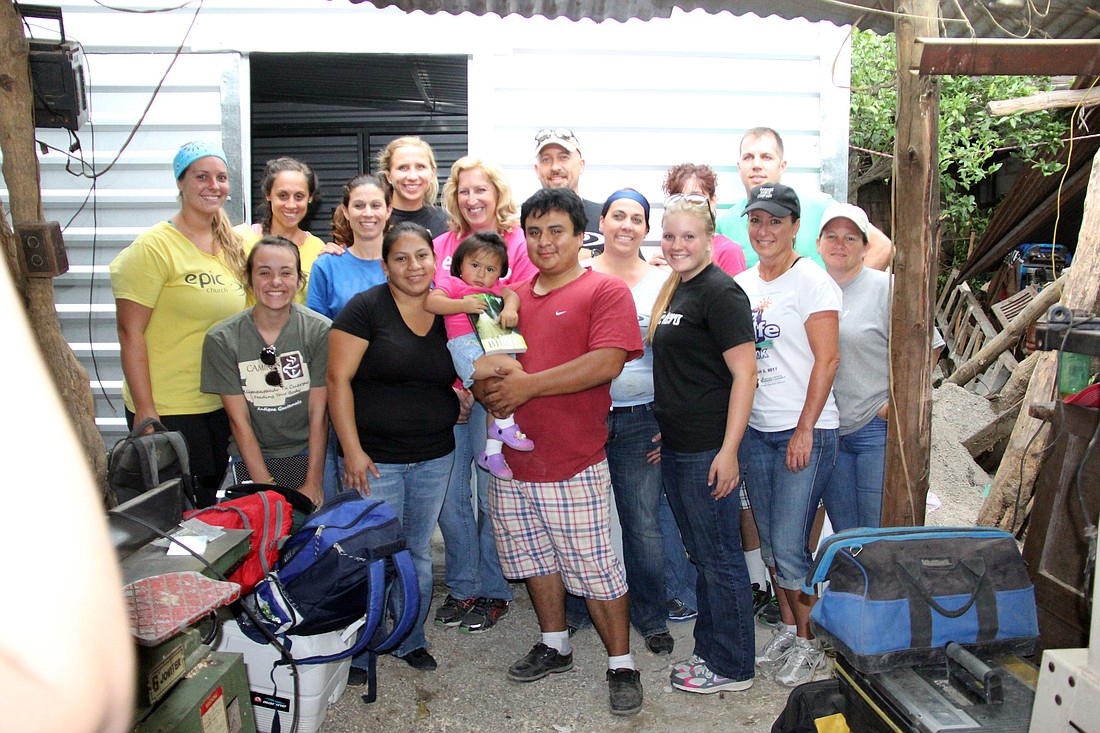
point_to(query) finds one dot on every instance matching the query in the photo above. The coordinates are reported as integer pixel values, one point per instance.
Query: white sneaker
(684, 669)
(776, 650)
(802, 662)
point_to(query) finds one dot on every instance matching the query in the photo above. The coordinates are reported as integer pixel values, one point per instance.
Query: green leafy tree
(973, 145)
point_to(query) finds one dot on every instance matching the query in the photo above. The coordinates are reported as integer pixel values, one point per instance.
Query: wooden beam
(916, 208)
(1044, 101)
(996, 57)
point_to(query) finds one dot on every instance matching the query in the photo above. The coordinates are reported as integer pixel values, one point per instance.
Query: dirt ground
(470, 692)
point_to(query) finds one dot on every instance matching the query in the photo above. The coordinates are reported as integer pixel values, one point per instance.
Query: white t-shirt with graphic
(783, 355)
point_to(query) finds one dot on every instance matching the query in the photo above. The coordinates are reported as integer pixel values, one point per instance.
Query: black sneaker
(625, 691)
(453, 610)
(483, 616)
(678, 611)
(420, 659)
(539, 662)
(357, 677)
(660, 643)
(768, 613)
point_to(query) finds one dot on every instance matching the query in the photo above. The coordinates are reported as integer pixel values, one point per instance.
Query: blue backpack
(338, 568)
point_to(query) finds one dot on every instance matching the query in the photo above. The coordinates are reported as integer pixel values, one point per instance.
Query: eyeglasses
(268, 357)
(695, 199)
(562, 133)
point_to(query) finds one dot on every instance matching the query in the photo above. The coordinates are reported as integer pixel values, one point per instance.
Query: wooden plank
(992, 432)
(1004, 56)
(1045, 101)
(916, 196)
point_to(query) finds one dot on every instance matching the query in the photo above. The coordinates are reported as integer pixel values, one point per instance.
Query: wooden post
(21, 175)
(916, 204)
(1021, 461)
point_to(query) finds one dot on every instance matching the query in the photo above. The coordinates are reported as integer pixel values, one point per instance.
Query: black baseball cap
(774, 198)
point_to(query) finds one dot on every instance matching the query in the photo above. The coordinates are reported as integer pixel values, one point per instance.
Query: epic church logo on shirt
(213, 282)
(670, 319)
(766, 333)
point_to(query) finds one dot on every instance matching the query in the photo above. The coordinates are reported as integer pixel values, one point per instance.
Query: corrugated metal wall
(198, 101)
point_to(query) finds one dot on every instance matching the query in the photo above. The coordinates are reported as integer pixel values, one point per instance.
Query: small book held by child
(494, 338)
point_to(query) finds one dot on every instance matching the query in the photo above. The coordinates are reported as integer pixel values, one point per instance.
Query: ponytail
(664, 298)
(230, 245)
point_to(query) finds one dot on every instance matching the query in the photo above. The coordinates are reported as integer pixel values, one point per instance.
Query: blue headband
(626, 193)
(191, 152)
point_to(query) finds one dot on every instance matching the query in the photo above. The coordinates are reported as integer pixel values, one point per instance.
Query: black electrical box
(60, 92)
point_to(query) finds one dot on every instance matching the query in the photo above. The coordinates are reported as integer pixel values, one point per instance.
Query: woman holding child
(477, 198)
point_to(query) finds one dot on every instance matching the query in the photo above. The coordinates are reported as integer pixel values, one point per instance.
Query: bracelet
(270, 480)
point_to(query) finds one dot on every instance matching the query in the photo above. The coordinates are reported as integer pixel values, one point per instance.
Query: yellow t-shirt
(308, 251)
(189, 291)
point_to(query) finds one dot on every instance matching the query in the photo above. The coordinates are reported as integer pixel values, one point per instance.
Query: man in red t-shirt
(552, 520)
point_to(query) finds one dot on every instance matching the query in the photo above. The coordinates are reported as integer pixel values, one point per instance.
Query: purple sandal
(495, 464)
(511, 436)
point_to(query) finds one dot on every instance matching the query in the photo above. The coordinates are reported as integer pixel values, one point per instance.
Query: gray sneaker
(802, 662)
(684, 668)
(776, 650)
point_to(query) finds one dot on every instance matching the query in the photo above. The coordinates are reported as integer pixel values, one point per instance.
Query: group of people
(716, 377)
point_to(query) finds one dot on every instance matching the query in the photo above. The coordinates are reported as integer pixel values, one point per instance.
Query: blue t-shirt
(336, 279)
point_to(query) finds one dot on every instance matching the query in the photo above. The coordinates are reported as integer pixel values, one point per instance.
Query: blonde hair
(385, 159)
(230, 244)
(664, 296)
(506, 203)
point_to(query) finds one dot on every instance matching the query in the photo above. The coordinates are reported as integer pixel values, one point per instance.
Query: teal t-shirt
(733, 224)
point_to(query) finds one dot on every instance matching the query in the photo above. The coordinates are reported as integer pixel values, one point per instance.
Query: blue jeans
(473, 566)
(680, 573)
(332, 482)
(853, 496)
(415, 493)
(785, 503)
(724, 633)
(637, 487)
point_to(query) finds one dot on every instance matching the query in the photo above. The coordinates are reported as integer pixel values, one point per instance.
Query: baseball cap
(774, 198)
(846, 211)
(562, 136)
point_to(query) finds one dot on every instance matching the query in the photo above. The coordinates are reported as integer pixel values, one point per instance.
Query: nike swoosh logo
(559, 313)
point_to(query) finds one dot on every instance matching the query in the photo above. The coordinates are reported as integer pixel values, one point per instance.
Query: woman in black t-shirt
(390, 397)
(704, 378)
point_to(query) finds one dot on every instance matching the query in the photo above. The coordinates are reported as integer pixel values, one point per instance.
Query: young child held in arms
(477, 266)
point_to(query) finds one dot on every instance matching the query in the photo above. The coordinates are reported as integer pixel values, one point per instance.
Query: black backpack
(139, 463)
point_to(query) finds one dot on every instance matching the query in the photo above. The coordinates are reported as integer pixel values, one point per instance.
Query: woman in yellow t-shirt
(174, 282)
(289, 187)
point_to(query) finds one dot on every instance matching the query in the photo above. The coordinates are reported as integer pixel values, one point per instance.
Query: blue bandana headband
(191, 152)
(626, 193)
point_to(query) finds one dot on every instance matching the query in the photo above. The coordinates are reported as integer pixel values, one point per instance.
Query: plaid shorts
(559, 527)
(743, 490)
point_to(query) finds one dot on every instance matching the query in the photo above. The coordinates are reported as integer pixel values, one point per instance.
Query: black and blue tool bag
(896, 596)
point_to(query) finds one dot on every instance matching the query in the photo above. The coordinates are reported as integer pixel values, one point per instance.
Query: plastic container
(319, 685)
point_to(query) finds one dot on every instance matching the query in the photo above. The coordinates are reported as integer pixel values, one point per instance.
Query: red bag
(268, 515)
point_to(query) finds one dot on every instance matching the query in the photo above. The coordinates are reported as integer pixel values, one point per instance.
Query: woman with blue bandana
(174, 282)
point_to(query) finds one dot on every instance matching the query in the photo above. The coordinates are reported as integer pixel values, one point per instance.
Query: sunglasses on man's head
(562, 133)
(268, 357)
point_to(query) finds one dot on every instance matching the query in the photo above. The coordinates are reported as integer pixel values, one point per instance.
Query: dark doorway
(336, 112)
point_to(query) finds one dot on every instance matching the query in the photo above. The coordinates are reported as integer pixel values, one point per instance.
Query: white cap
(846, 211)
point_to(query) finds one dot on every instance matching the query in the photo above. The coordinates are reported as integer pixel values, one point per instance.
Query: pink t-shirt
(458, 324)
(728, 255)
(520, 267)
